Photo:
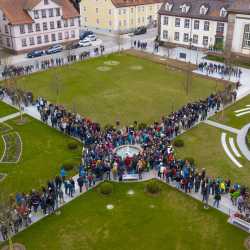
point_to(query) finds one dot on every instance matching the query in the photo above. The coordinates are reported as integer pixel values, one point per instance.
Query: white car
(91, 37)
(85, 43)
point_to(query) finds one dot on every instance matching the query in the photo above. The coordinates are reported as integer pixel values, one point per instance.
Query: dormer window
(168, 7)
(184, 8)
(203, 10)
(223, 12)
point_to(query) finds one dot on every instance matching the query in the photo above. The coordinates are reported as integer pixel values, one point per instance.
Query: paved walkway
(241, 141)
(9, 117)
(223, 127)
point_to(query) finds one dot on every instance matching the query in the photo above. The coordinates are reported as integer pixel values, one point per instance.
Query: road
(108, 40)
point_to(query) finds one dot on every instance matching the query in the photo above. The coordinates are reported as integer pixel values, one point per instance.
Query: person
(217, 198)
(80, 182)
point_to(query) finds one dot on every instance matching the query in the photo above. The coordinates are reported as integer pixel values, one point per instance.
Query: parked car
(91, 37)
(85, 34)
(140, 30)
(85, 43)
(35, 53)
(54, 49)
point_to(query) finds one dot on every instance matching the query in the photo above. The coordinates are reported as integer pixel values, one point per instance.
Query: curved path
(241, 141)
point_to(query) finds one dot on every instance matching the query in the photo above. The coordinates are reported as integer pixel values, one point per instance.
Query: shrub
(73, 145)
(69, 165)
(106, 188)
(179, 143)
(153, 187)
(190, 160)
(142, 126)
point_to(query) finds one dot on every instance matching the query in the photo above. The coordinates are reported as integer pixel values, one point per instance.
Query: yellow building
(119, 15)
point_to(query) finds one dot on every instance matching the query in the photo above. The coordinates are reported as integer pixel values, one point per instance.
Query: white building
(206, 24)
(32, 24)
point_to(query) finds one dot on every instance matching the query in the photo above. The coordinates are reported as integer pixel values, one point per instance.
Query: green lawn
(6, 109)
(44, 151)
(121, 93)
(175, 221)
(203, 143)
(228, 115)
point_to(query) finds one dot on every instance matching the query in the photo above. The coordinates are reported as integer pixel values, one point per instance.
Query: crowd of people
(140, 44)
(211, 68)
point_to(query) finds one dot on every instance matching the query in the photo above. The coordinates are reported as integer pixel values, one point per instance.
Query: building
(216, 24)
(119, 15)
(33, 24)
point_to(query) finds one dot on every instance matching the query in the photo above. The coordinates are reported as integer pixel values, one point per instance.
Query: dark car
(85, 34)
(35, 53)
(140, 31)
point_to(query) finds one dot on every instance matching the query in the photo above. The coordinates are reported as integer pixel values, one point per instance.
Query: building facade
(33, 24)
(119, 15)
(216, 24)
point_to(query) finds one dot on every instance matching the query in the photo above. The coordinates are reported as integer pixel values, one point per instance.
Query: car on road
(84, 34)
(85, 43)
(35, 53)
(140, 30)
(91, 37)
(54, 49)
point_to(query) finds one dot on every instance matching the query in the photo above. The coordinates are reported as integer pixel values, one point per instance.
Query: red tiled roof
(16, 10)
(126, 3)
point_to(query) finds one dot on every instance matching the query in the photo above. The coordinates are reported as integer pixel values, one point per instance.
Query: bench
(242, 224)
(130, 177)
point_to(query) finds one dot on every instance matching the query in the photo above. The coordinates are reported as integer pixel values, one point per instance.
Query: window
(124, 11)
(206, 25)
(39, 40)
(8, 42)
(96, 10)
(36, 14)
(165, 20)
(203, 10)
(46, 38)
(58, 12)
(220, 27)
(72, 22)
(168, 7)
(60, 36)
(110, 12)
(22, 29)
(139, 19)
(177, 22)
(66, 24)
(176, 36)
(6, 28)
(110, 23)
(205, 40)
(59, 24)
(97, 20)
(184, 8)
(52, 25)
(132, 10)
(51, 13)
(53, 37)
(246, 37)
(185, 37)
(46, 2)
(73, 35)
(66, 35)
(24, 42)
(119, 12)
(196, 24)
(4, 17)
(38, 27)
(223, 12)
(124, 23)
(186, 23)
(45, 27)
(30, 28)
(165, 34)
(32, 41)
(43, 13)
(195, 39)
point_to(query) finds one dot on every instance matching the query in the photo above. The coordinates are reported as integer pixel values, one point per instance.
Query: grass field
(228, 115)
(44, 151)
(169, 221)
(6, 109)
(119, 94)
(203, 143)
